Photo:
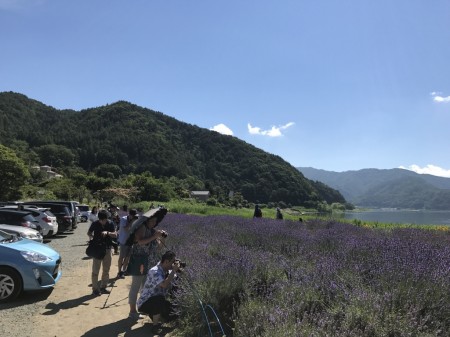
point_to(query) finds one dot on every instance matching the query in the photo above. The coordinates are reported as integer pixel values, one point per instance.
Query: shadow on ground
(123, 328)
(54, 308)
(28, 297)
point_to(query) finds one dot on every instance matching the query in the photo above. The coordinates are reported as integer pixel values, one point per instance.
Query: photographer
(102, 230)
(158, 284)
(145, 252)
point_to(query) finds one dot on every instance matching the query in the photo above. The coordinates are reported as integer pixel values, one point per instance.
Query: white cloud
(429, 169)
(275, 131)
(223, 129)
(437, 97)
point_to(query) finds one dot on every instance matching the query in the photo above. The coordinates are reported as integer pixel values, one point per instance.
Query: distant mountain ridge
(394, 188)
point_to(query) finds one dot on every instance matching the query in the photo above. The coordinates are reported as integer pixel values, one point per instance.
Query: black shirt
(97, 228)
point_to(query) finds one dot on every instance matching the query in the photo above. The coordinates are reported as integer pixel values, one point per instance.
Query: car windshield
(49, 213)
(7, 237)
(30, 218)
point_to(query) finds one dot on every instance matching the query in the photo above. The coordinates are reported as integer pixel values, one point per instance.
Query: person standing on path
(148, 242)
(94, 214)
(102, 230)
(124, 249)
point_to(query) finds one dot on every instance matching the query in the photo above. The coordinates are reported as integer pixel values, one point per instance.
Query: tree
(55, 155)
(108, 171)
(62, 188)
(14, 174)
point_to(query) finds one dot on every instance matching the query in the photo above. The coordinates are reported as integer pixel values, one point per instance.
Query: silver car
(23, 232)
(47, 221)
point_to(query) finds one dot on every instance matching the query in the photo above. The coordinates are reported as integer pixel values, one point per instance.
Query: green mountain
(132, 139)
(393, 188)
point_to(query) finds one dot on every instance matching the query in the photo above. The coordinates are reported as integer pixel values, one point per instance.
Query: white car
(84, 212)
(23, 232)
(46, 219)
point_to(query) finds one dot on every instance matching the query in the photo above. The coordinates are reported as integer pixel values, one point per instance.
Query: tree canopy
(14, 174)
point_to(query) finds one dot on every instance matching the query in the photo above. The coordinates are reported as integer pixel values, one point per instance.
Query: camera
(182, 264)
(164, 234)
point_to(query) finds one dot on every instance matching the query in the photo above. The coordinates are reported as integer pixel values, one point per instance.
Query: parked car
(48, 222)
(19, 218)
(62, 214)
(26, 265)
(69, 204)
(51, 218)
(23, 232)
(84, 212)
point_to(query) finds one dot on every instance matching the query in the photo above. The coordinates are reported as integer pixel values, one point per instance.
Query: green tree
(62, 188)
(55, 155)
(14, 174)
(108, 171)
(151, 188)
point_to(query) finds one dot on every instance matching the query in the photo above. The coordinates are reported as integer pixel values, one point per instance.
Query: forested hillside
(120, 139)
(395, 188)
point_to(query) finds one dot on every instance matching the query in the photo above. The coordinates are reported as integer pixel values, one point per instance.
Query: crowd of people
(143, 256)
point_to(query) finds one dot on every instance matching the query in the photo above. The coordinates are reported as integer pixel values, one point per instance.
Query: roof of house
(199, 192)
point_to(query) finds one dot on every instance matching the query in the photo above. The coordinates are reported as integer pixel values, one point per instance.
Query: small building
(47, 170)
(200, 195)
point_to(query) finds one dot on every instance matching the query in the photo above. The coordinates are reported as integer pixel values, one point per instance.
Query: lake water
(402, 216)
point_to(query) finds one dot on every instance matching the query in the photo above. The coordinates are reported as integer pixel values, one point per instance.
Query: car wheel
(83, 219)
(10, 284)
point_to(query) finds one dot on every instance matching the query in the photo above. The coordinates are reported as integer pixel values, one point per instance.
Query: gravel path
(69, 309)
(16, 317)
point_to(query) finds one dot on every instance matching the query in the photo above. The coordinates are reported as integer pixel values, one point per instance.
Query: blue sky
(335, 85)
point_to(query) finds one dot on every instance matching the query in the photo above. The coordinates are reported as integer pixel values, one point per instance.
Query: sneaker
(96, 292)
(104, 291)
(135, 315)
(121, 275)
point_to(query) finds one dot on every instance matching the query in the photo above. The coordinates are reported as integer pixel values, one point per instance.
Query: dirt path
(72, 311)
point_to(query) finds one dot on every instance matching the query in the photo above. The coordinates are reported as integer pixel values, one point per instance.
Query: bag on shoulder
(138, 265)
(96, 249)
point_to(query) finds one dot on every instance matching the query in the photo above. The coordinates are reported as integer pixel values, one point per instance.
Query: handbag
(96, 249)
(138, 265)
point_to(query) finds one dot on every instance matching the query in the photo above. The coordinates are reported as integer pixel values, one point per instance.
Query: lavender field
(319, 278)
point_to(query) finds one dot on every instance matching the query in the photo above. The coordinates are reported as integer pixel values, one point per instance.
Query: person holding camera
(145, 252)
(102, 230)
(124, 249)
(158, 284)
